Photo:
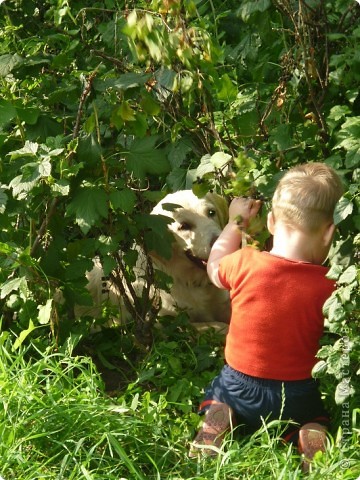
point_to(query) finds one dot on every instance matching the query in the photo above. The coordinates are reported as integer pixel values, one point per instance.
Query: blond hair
(306, 196)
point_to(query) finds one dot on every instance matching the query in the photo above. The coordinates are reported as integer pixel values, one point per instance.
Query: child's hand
(242, 209)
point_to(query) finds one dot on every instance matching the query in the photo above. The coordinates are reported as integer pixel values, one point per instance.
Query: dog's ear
(221, 206)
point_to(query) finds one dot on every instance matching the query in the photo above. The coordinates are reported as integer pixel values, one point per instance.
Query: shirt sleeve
(229, 269)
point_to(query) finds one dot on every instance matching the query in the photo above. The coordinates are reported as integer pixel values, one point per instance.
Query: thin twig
(43, 227)
(84, 95)
(115, 61)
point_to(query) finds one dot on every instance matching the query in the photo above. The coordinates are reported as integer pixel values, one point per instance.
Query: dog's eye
(211, 213)
(185, 226)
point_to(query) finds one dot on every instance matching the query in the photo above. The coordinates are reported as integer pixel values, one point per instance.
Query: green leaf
(15, 284)
(344, 390)
(350, 129)
(122, 82)
(28, 115)
(149, 105)
(126, 112)
(154, 47)
(334, 310)
(352, 158)
(334, 272)
(88, 206)
(338, 112)
(7, 112)
(348, 276)
(200, 189)
(45, 168)
(156, 235)
(8, 62)
(209, 163)
(319, 369)
(343, 209)
(248, 8)
(335, 161)
(220, 159)
(45, 312)
(19, 341)
(205, 166)
(178, 152)
(123, 200)
(175, 364)
(7, 249)
(89, 150)
(227, 90)
(3, 200)
(177, 178)
(345, 293)
(60, 188)
(166, 80)
(281, 136)
(247, 123)
(29, 150)
(32, 173)
(144, 158)
(139, 128)
(246, 101)
(44, 128)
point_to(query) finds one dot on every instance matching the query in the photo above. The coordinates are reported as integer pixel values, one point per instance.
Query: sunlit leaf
(220, 159)
(61, 187)
(45, 312)
(23, 335)
(3, 200)
(343, 209)
(8, 62)
(349, 275)
(29, 149)
(343, 391)
(18, 284)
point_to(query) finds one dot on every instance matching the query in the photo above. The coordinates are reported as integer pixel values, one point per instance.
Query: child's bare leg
(217, 422)
(312, 439)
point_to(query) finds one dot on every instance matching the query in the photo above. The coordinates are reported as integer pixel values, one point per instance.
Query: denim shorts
(253, 399)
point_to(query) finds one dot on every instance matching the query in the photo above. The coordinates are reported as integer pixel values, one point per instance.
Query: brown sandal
(218, 421)
(312, 439)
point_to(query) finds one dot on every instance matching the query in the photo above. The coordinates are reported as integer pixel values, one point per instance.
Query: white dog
(197, 222)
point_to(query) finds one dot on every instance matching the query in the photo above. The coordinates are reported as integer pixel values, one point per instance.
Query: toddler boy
(277, 320)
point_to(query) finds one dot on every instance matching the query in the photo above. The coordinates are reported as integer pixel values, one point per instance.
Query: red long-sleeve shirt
(277, 318)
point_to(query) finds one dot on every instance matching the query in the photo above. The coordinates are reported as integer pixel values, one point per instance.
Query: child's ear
(329, 234)
(270, 223)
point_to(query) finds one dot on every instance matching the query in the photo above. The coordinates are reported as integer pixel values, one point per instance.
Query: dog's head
(197, 222)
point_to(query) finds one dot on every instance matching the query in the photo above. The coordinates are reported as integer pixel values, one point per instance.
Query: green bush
(105, 108)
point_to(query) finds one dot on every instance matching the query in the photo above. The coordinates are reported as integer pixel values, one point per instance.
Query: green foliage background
(105, 108)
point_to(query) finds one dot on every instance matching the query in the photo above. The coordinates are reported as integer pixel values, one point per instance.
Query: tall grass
(57, 422)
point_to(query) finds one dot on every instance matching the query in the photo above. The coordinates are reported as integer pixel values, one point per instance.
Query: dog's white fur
(196, 225)
(197, 222)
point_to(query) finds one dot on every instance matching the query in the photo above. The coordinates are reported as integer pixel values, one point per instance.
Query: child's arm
(240, 212)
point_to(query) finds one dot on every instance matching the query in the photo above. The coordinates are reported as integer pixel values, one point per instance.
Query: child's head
(306, 196)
